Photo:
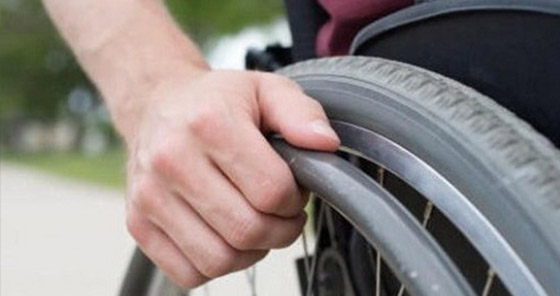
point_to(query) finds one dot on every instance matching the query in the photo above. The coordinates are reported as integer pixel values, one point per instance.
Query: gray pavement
(59, 237)
(62, 237)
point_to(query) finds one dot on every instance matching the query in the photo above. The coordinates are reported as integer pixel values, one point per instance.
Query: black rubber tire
(506, 169)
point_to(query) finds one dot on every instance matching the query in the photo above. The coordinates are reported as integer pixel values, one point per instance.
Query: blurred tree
(205, 19)
(37, 71)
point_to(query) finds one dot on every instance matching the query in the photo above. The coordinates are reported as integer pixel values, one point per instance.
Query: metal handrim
(504, 262)
(453, 204)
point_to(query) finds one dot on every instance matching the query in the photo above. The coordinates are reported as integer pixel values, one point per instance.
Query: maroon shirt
(346, 18)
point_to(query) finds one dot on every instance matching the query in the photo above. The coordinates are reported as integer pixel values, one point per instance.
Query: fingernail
(323, 128)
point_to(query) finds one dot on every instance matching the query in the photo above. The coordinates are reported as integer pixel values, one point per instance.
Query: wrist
(131, 58)
(129, 107)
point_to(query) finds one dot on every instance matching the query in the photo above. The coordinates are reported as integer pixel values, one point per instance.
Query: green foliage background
(37, 70)
(205, 19)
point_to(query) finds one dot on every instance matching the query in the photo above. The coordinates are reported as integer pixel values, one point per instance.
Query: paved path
(60, 237)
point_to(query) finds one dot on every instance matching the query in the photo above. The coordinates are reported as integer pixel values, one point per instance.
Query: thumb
(301, 120)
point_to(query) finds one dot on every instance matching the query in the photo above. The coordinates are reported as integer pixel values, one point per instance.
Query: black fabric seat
(508, 50)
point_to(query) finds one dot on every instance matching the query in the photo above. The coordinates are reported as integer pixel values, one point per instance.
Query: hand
(207, 195)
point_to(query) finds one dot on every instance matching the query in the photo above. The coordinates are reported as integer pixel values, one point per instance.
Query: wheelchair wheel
(466, 199)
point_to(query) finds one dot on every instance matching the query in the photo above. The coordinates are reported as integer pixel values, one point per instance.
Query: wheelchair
(447, 181)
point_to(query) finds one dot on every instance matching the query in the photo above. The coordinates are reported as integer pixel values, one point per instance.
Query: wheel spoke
(305, 252)
(306, 255)
(311, 271)
(381, 176)
(381, 180)
(425, 219)
(489, 282)
(330, 227)
(401, 291)
(377, 263)
(427, 213)
(251, 274)
(378, 275)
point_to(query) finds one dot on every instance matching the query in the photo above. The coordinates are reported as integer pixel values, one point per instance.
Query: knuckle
(222, 262)
(136, 228)
(189, 281)
(290, 237)
(163, 159)
(288, 233)
(205, 119)
(247, 231)
(267, 203)
(147, 199)
(274, 192)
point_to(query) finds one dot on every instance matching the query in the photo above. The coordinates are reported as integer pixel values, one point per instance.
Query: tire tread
(532, 159)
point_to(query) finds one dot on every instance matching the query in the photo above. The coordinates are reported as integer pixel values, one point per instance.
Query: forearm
(126, 47)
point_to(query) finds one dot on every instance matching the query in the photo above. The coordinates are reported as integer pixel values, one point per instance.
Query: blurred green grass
(106, 169)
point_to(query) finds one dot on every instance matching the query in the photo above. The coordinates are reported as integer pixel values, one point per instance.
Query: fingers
(258, 172)
(206, 188)
(225, 210)
(240, 151)
(208, 193)
(167, 257)
(299, 118)
(189, 251)
(210, 254)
